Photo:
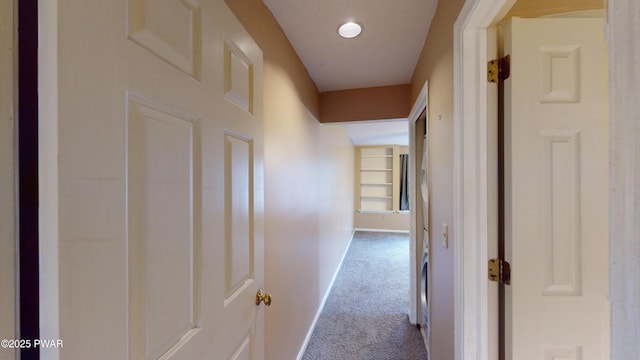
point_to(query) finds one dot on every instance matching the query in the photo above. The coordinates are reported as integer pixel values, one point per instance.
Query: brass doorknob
(263, 297)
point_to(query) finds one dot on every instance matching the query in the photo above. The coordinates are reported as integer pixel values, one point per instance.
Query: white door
(161, 173)
(556, 135)
(7, 236)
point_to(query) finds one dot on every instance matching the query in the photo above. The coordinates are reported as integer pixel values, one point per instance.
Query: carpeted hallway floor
(365, 316)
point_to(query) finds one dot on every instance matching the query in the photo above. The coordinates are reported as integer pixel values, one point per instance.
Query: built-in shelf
(377, 171)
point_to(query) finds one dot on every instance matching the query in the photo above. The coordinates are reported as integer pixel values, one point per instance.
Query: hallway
(365, 316)
(142, 219)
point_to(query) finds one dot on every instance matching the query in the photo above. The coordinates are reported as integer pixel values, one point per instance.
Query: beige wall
(533, 8)
(436, 66)
(308, 188)
(385, 102)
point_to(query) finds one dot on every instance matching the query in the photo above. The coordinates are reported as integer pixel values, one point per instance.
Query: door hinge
(500, 271)
(498, 70)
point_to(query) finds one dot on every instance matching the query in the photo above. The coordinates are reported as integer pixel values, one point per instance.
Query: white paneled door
(556, 136)
(7, 204)
(161, 173)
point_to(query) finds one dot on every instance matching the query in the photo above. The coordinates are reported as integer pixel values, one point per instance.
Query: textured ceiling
(385, 53)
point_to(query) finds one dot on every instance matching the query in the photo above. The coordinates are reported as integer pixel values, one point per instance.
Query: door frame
(474, 306)
(10, 321)
(415, 246)
(48, 175)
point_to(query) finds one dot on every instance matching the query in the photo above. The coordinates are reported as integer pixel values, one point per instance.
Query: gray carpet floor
(365, 316)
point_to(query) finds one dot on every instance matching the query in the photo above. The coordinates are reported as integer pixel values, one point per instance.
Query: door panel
(169, 29)
(556, 136)
(164, 249)
(161, 238)
(238, 215)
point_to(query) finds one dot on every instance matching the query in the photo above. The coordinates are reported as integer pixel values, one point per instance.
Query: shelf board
(375, 156)
(376, 184)
(376, 197)
(367, 211)
(376, 169)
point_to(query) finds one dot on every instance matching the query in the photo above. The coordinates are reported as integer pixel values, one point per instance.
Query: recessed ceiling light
(350, 30)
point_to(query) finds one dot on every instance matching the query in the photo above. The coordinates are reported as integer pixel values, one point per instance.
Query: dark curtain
(404, 182)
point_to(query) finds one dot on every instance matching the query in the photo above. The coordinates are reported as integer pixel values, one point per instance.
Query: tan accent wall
(436, 66)
(386, 102)
(308, 188)
(534, 8)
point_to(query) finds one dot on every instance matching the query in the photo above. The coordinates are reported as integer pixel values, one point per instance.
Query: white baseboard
(324, 300)
(383, 230)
